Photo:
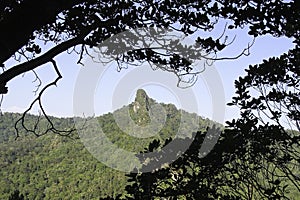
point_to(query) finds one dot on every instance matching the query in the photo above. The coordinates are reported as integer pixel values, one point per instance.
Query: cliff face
(139, 109)
(141, 101)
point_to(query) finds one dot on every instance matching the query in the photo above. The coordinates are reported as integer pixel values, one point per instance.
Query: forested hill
(56, 167)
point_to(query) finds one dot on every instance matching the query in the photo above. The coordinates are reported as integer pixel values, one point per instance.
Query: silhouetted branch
(50, 126)
(34, 63)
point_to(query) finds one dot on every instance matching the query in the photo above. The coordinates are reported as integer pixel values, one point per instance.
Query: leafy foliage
(89, 23)
(55, 167)
(268, 98)
(232, 170)
(256, 157)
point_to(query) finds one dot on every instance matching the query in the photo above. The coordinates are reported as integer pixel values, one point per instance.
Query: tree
(257, 157)
(69, 24)
(275, 84)
(270, 120)
(232, 170)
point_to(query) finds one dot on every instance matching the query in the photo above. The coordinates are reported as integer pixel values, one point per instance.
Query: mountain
(56, 167)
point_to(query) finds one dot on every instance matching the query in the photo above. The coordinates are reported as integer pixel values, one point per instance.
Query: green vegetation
(56, 167)
(52, 167)
(227, 172)
(256, 157)
(238, 167)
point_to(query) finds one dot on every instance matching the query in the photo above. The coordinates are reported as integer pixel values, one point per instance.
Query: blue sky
(58, 101)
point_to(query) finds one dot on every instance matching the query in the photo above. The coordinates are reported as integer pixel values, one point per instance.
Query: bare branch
(38, 80)
(81, 54)
(38, 100)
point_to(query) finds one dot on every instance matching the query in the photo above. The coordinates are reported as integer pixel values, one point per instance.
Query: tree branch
(32, 64)
(35, 130)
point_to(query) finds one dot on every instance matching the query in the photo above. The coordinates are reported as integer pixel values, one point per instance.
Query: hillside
(56, 167)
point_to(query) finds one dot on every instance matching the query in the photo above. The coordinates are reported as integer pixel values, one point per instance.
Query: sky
(59, 101)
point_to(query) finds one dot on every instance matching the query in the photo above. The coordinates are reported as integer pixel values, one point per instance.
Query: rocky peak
(141, 107)
(142, 101)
